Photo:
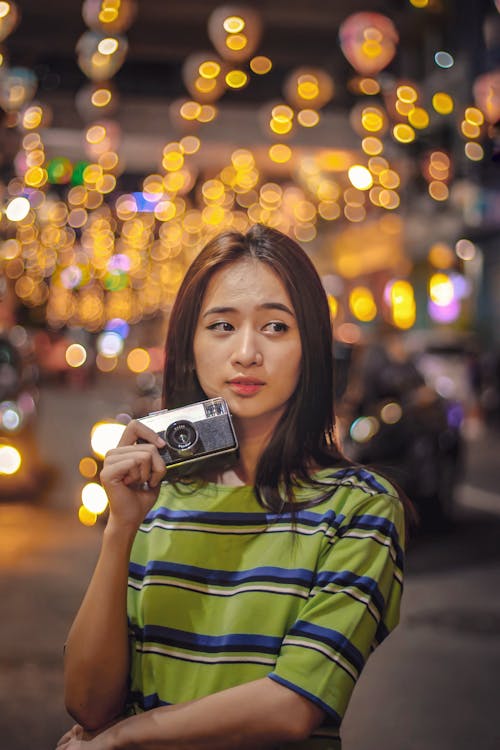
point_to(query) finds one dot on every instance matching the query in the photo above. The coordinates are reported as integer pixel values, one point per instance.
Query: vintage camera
(194, 433)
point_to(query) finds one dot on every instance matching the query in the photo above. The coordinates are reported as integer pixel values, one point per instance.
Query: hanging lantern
(110, 16)
(99, 56)
(309, 88)
(487, 95)
(17, 88)
(203, 74)
(368, 41)
(235, 31)
(9, 18)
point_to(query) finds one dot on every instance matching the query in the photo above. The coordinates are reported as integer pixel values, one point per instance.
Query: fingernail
(160, 442)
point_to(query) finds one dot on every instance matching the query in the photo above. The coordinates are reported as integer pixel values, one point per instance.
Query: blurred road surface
(431, 686)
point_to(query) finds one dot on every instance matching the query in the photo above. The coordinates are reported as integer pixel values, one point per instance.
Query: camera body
(194, 433)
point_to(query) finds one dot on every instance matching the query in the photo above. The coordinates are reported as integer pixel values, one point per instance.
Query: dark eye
(221, 325)
(277, 326)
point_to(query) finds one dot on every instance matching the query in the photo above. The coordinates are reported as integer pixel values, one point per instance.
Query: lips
(245, 386)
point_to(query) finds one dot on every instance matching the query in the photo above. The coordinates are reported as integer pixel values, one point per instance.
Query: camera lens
(181, 436)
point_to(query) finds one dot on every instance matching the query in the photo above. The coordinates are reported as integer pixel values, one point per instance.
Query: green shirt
(222, 592)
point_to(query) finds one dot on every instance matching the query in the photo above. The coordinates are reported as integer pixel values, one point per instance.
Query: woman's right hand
(132, 473)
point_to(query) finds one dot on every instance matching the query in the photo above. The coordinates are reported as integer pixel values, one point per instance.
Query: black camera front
(181, 436)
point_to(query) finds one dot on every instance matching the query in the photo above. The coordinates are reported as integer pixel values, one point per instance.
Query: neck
(253, 436)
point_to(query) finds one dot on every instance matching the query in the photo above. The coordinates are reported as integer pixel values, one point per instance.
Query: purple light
(119, 326)
(71, 277)
(446, 313)
(119, 262)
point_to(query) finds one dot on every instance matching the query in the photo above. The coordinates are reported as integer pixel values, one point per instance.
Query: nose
(246, 350)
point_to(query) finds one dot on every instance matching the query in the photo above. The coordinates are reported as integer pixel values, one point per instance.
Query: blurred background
(130, 133)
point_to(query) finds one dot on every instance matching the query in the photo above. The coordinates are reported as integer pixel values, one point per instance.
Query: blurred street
(431, 686)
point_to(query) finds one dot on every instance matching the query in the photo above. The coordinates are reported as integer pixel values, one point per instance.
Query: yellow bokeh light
(438, 190)
(441, 255)
(474, 151)
(333, 305)
(360, 177)
(260, 65)
(86, 517)
(404, 108)
(207, 113)
(88, 467)
(308, 118)
(35, 177)
(372, 119)
(362, 304)
(172, 161)
(209, 69)
(104, 436)
(419, 118)
(369, 86)
(108, 46)
(474, 116)
(420, 3)
(442, 103)
(470, 129)
(190, 110)
(233, 24)
(101, 97)
(329, 210)
(407, 94)
(388, 178)
(372, 146)
(10, 460)
(236, 79)
(190, 144)
(280, 127)
(280, 153)
(236, 42)
(138, 360)
(76, 355)
(282, 113)
(403, 133)
(94, 498)
(441, 289)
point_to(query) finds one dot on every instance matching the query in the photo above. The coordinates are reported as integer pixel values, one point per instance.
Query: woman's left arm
(254, 716)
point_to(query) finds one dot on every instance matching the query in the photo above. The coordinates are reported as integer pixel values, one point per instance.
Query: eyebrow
(265, 306)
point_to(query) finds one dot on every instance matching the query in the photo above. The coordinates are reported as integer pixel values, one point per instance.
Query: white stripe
(334, 588)
(333, 656)
(205, 589)
(205, 659)
(273, 528)
(475, 498)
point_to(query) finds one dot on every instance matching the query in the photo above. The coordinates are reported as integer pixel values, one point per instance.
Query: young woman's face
(247, 344)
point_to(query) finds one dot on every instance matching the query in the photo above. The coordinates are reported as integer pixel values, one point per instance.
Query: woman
(255, 591)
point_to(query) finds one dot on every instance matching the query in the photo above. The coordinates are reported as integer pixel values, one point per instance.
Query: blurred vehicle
(21, 468)
(395, 423)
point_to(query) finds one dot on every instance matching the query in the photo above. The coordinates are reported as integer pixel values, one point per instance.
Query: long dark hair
(304, 438)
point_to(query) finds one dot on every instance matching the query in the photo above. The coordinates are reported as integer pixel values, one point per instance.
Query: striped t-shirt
(222, 592)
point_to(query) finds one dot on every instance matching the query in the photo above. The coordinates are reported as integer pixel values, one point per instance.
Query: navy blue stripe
(362, 475)
(377, 523)
(335, 718)
(146, 702)
(346, 578)
(251, 643)
(305, 517)
(228, 578)
(331, 638)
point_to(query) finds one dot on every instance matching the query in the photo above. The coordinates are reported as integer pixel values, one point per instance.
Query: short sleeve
(352, 607)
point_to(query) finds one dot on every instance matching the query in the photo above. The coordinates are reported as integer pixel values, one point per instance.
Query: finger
(135, 431)
(126, 471)
(158, 469)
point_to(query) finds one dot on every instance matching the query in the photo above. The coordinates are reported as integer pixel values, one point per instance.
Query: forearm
(96, 654)
(258, 715)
